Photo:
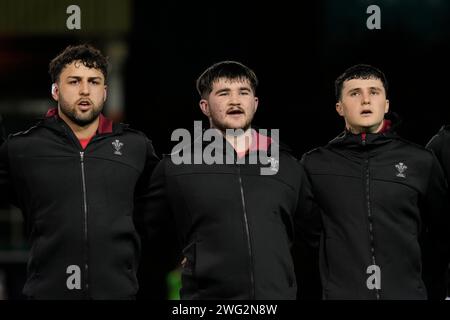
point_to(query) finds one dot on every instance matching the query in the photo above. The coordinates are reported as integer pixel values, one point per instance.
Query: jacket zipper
(85, 225)
(369, 211)
(249, 245)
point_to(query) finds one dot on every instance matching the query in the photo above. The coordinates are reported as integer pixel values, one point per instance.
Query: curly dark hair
(359, 71)
(87, 54)
(225, 69)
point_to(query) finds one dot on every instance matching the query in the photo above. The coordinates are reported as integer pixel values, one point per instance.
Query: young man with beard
(235, 224)
(383, 201)
(77, 176)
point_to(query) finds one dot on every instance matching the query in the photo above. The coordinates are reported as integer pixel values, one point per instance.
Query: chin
(235, 126)
(232, 125)
(367, 124)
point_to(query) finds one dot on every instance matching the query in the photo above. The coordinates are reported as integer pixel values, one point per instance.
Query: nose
(84, 88)
(365, 98)
(234, 99)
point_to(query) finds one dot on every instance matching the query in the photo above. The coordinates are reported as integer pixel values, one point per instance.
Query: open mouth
(366, 112)
(84, 104)
(235, 112)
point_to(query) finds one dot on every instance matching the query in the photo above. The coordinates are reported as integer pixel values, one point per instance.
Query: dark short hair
(225, 69)
(87, 54)
(359, 71)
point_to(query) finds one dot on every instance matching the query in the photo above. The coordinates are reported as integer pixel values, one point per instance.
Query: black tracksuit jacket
(440, 144)
(235, 225)
(383, 202)
(78, 207)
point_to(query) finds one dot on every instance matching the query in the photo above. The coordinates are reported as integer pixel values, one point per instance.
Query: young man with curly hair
(78, 179)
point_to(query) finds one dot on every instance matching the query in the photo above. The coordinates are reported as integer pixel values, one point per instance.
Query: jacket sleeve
(154, 222)
(151, 204)
(142, 189)
(2, 131)
(152, 210)
(308, 224)
(308, 229)
(6, 189)
(436, 145)
(435, 212)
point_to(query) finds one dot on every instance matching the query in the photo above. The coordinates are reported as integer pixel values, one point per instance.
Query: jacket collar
(260, 142)
(385, 135)
(105, 126)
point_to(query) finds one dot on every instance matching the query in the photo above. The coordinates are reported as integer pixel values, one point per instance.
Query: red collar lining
(259, 143)
(104, 125)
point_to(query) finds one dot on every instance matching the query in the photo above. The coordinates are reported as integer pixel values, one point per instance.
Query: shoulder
(442, 135)
(415, 148)
(315, 153)
(26, 133)
(25, 136)
(136, 137)
(127, 130)
(286, 152)
(445, 129)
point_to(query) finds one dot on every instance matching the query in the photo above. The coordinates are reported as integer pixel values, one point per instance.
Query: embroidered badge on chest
(401, 170)
(274, 164)
(117, 147)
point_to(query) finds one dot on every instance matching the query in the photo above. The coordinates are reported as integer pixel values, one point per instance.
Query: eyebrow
(227, 89)
(223, 90)
(359, 88)
(79, 78)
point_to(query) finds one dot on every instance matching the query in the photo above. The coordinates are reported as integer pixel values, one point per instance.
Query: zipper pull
(363, 138)
(81, 156)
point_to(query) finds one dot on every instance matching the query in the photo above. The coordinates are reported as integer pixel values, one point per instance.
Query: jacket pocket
(282, 243)
(324, 265)
(189, 257)
(188, 275)
(34, 256)
(33, 267)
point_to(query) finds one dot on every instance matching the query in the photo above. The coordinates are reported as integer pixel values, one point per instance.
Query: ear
(386, 108)
(339, 109)
(105, 93)
(204, 106)
(55, 91)
(256, 103)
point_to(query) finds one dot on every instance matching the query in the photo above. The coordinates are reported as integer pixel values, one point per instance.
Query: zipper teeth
(369, 216)
(85, 209)
(249, 246)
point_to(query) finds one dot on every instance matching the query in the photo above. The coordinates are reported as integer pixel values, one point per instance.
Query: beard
(77, 117)
(224, 127)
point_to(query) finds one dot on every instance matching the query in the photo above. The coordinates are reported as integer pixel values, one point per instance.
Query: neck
(81, 132)
(372, 129)
(241, 143)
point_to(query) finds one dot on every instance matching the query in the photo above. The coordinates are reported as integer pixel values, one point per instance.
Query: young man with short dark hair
(382, 199)
(235, 224)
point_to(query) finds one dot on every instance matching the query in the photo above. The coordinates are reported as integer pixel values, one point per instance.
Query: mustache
(233, 109)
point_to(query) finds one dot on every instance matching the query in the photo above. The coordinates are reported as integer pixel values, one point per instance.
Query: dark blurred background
(158, 49)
